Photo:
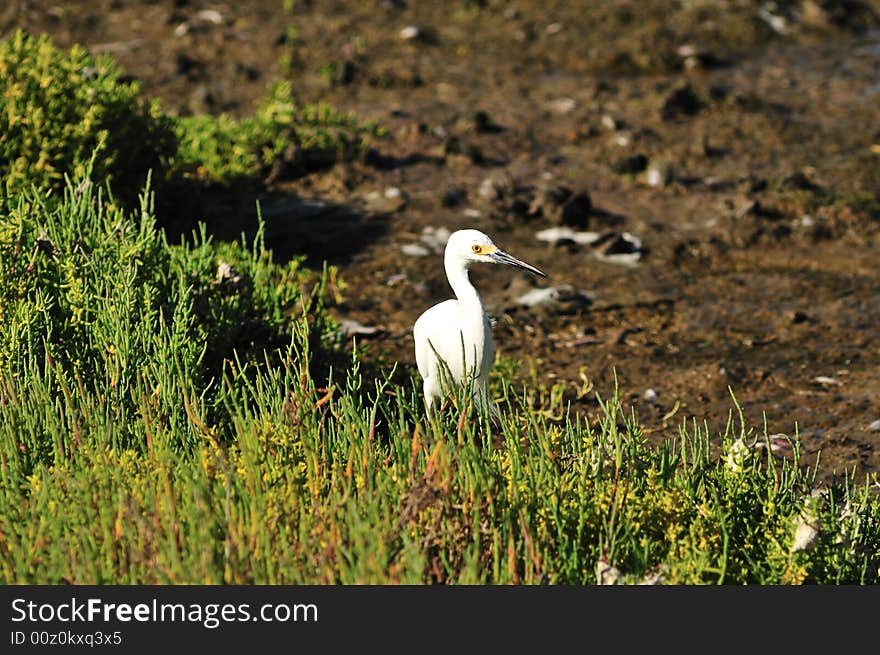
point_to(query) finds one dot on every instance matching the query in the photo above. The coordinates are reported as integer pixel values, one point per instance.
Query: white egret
(458, 332)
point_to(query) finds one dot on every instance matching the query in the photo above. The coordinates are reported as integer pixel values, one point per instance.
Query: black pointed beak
(501, 257)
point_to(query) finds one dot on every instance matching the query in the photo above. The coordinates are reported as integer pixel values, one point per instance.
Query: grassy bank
(169, 418)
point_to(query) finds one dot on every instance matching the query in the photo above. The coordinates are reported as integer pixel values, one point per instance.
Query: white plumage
(458, 331)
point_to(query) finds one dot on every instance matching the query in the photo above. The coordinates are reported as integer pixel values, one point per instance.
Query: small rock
(435, 237)
(693, 57)
(827, 381)
(874, 426)
(806, 533)
(718, 184)
(396, 279)
(660, 173)
(537, 297)
(410, 33)
(650, 395)
(472, 212)
(488, 190)
(748, 208)
(779, 444)
(624, 248)
(226, 275)
(562, 105)
(585, 340)
(606, 574)
(414, 250)
(526, 34)
(563, 299)
(553, 28)
(610, 123)
(349, 328)
(652, 579)
(209, 16)
(561, 235)
(753, 208)
(777, 23)
(388, 201)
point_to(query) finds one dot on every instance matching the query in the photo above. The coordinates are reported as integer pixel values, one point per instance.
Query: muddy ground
(737, 142)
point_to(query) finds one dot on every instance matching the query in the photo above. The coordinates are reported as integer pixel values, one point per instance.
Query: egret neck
(471, 312)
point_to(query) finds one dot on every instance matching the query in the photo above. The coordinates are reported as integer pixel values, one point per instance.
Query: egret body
(458, 331)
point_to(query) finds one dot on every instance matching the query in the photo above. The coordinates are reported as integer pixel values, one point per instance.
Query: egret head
(469, 246)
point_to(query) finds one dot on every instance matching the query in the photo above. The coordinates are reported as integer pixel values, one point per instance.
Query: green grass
(161, 423)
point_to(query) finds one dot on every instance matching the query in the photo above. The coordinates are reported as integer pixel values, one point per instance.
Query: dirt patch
(725, 158)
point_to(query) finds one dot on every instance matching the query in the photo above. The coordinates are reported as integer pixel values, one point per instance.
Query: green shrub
(281, 134)
(94, 300)
(58, 107)
(62, 108)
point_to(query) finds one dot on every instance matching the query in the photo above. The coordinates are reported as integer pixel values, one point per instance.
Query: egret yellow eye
(478, 249)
